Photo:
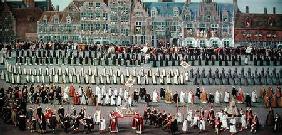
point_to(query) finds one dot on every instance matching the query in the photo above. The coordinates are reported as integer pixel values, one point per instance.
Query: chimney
(247, 9)
(265, 10)
(57, 8)
(274, 10)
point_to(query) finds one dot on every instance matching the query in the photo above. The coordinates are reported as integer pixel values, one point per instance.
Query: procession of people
(15, 110)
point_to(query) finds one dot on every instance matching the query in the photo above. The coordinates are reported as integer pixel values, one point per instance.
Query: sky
(255, 6)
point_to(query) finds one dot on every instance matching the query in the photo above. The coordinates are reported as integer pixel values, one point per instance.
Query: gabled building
(258, 29)
(129, 22)
(22, 17)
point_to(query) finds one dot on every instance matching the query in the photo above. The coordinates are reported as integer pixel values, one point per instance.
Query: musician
(53, 123)
(66, 123)
(255, 124)
(113, 123)
(88, 125)
(147, 99)
(139, 124)
(218, 124)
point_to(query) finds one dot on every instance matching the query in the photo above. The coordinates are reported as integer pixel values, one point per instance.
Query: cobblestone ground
(124, 124)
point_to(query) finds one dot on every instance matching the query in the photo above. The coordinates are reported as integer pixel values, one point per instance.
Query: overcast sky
(255, 6)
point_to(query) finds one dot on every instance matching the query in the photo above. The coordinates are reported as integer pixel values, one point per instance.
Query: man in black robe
(248, 100)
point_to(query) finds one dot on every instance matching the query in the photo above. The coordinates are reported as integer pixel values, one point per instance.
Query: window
(226, 43)
(153, 12)
(142, 39)
(90, 4)
(214, 43)
(56, 19)
(68, 19)
(105, 16)
(98, 5)
(98, 15)
(189, 43)
(175, 11)
(202, 43)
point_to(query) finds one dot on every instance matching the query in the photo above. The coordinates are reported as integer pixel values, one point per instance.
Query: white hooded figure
(101, 79)
(155, 96)
(243, 121)
(83, 100)
(103, 90)
(92, 79)
(42, 78)
(97, 116)
(12, 79)
(189, 117)
(224, 121)
(175, 78)
(107, 100)
(66, 95)
(18, 80)
(217, 97)
(146, 80)
(32, 79)
(232, 126)
(168, 79)
(113, 101)
(246, 60)
(195, 121)
(79, 91)
(179, 117)
(108, 81)
(120, 93)
(182, 97)
(122, 79)
(202, 124)
(254, 96)
(114, 79)
(154, 79)
(186, 75)
(127, 72)
(56, 78)
(129, 101)
(99, 98)
(119, 100)
(86, 79)
(78, 78)
(161, 79)
(2, 75)
(37, 78)
(138, 79)
(190, 97)
(185, 125)
(226, 97)
(103, 124)
(115, 92)
(181, 79)
(70, 78)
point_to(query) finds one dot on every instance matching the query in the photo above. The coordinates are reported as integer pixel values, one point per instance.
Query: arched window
(175, 11)
(68, 19)
(154, 12)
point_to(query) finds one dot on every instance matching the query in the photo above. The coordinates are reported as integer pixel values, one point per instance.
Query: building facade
(258, 29)
(20, 19)
(127, 22)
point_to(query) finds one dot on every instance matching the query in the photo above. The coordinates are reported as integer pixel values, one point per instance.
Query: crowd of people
(14, 110)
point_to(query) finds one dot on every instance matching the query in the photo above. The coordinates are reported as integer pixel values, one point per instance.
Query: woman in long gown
(182, 98)
(226, 97)
(217, 97)
(204, 96)
(240, 96)
(185, 126)
(190, 97)
(232, 123)
(155, 96)
(254, 96)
